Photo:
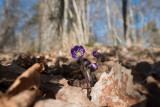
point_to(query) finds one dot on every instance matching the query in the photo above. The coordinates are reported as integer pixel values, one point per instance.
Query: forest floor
(125, 77)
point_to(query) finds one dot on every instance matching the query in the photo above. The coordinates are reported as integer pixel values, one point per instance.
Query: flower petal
(76, 48)
(77, 51)
(72, 51)
(81, 48)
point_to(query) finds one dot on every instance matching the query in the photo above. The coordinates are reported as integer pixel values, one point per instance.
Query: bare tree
(50, 26)
(140, 37)
(65, 25)
(80, 25)
(126, 23)
(115, 40)
(132, 27)
(109, 23)
(9, 23)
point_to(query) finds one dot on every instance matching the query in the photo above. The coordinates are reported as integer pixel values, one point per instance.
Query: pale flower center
(79, 54)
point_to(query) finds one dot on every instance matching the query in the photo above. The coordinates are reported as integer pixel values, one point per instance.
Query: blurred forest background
(45, 25)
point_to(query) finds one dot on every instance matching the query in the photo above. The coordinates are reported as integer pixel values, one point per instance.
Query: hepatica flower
(94, 66)
(77, 52)
(95, 53)
(85, 63)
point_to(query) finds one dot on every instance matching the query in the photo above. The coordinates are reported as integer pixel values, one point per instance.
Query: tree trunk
(126, 23)
(133, 30)
(109, 24)
(65, 25)
(8, 24)
(51, 16)
(140, 37)
(80, 26)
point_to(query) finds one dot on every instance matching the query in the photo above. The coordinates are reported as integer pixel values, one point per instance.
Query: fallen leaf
(73, 95)
(55, 103)
(12, 68)
(153, 96)
(116, 89)
(23, 99)
(1, 94)
(29, 79)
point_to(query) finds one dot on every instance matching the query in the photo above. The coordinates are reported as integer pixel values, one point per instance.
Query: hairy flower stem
(97, 59)
(86, 77)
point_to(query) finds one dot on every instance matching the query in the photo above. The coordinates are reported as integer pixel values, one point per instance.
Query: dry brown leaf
(150, 79)
(73, 95)
(12, 68)
(116, 89)
(153, 96)
(62, 91)
(55, 103)
(29, 79)
(1, 94)
(4, 102)
(45, 78)
(23, 99)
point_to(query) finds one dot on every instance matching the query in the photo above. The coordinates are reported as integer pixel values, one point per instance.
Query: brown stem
(86, 78)
(97, 60)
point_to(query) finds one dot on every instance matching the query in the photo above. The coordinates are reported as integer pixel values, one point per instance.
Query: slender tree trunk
(80, 25)
(65, 38)
(140, 36)
(50, 26)
(84, 21)
(133, 30)
(115, 41)
(8, 24)
(109, 23)
(126, 23)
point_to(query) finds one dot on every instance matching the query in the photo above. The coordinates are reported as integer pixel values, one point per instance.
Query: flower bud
(85, 63)
(94, 66)
(95, 53)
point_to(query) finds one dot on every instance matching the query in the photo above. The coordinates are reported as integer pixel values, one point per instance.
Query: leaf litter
(125, 77)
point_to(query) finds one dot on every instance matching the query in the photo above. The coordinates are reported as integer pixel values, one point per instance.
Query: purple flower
(94, 66)
(95, 53)
(77, 52)
(85, 63)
